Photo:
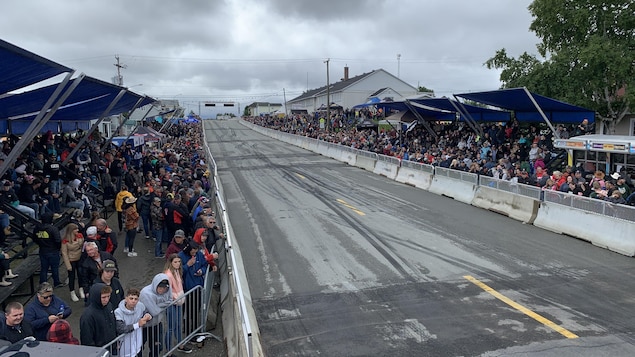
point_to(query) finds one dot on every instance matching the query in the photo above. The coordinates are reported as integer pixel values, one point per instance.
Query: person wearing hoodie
(200, 237)
(97, 324)
(156, 297)
(69, 196)
(194, 269)
(131, 317)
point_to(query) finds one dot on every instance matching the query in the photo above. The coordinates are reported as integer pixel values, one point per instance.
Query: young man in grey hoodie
(131, 316)
(156, 297)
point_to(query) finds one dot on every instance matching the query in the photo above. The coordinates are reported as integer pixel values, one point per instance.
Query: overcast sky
(250, 50)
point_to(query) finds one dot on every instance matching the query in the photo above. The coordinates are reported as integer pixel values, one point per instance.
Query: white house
(349, 92)
(258, 108)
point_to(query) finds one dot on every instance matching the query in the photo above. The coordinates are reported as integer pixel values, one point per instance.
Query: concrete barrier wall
(348, 156)
(459, 190)
(365, 162)
(333, 152)
(603, 231)
(322, 148)
(387, 169)
(416, 178)
(520, 208)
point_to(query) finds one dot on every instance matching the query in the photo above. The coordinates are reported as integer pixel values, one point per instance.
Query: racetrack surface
(342, 262)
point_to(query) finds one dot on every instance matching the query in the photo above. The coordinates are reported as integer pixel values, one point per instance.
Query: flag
(411, 126)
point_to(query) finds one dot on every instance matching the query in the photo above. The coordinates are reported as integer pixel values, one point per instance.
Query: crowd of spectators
(165, 186)
(519, 153)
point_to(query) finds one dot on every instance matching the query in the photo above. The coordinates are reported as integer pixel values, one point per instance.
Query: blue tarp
(20, 68)
(517, 100)
(479, 114)
(87, 102)
(441, 109)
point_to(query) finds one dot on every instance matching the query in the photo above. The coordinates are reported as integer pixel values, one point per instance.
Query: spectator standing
(97, 325)
(107, 239)
(107, 276)
(194, 269)
(177, 244)
(60, 332)
(144, 204)
(157, 219)
(52, 169)
(156, 297)
(177, 216)
(131, 218)
(44, 310)
(174, 271)
(90, 264)
(119, 201)
(72, 244)
(13, 326)
(200, 237)
(48, 239)
(77, 218)
(131, 316)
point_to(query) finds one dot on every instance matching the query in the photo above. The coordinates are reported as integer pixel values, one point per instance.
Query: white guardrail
(577, 216)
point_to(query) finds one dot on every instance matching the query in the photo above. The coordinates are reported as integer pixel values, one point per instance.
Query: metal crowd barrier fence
(508, 186)
(418, 166)
(176, 325)
(457, 175)
(590, 204)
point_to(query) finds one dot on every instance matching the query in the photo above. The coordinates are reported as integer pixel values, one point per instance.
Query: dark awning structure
(20, 68)
(86, 102)
(528, 106)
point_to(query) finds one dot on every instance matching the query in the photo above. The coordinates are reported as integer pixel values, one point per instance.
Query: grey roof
(335, 87)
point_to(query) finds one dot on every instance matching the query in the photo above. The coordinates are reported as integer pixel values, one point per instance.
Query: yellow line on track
(564, 332)
(351, 207)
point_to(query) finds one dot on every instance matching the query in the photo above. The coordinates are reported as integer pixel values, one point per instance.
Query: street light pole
(398, 65)
(328, 94)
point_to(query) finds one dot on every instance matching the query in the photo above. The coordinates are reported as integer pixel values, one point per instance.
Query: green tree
(587, 56)
(423, 89)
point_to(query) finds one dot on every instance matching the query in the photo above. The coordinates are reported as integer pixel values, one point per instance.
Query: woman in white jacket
(131, 316)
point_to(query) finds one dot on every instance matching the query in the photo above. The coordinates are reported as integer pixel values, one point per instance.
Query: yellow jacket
(121, 195)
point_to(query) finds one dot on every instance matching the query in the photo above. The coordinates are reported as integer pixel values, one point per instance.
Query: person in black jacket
(177, 216)
(90, 265)
(13, 326)
(48, 238)
(98, 325)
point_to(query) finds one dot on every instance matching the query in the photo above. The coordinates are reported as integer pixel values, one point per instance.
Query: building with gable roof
(349, 92)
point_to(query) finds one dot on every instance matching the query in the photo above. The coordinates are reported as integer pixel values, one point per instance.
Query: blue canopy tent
(531, 107)
(20, 68)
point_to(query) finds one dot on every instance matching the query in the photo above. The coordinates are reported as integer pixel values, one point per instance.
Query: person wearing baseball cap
(107, 276)
(178, 243)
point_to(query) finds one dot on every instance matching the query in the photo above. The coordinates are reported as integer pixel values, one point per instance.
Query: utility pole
(398, 65)
(119, 67)
(328, 95)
